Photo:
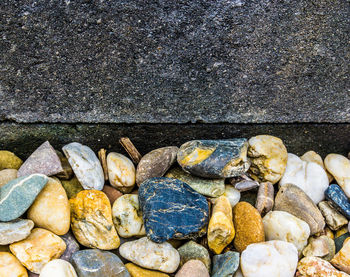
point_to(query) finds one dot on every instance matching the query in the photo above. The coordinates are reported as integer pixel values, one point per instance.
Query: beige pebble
(339, 167)
(58, 268)
(10, 266)
(193, 268)
(6, 175)
(312, 156)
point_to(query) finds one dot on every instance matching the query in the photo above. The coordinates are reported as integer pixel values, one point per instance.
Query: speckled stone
(193, 268)
(9, 160)
(317, 267)
(155, 163)
(172, 209)
(7, 175)
(15, 230)
(207, 187)
(214, 158)
(112, 193)
(322, 246)
(339, 167)
(67, 172)
(58, 268)
(10, 266)
(194, 251)
(17, 195)
(265, 199)
(341, 260)
(136, 271)
(338, 199)
(72, 246)
(225, 265)
(85, 165)
(333, 218)
(72, 187)
(97, 263)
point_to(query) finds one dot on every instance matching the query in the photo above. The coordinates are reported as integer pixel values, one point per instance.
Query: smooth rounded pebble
(193, 268)
(312, 156)
(339, 167)
(58, 268)
(112, 193)
(136, 271)
(233, 195)
(10, 266)
(194, 251)
(15, 230)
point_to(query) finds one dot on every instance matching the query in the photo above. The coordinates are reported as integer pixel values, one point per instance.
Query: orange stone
(316, 267)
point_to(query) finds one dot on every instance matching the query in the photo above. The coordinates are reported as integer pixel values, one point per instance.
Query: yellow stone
(91, 220)
(51, 209)
(10, 266)
(220, 230)
(9, 160)
(136, 271)
(38, 249)
(341, 260)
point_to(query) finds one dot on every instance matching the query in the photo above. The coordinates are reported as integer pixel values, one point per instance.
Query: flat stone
(333, 218)
(7, 175)
(155, 163)
(214, 158)
(10, 266)
(312, 156)
(341, 260)
(172, 209)
(323, 247)
(246, 185)
(339, 200)
(232, 195)
(9, 160)
(317, 267)
(265, 199)
(207, 187)
(15, 230)
(268, 156)
(151, 255)
(112, 193)
(67, 172)
(136, 271)
(194, 251)
(72, 187)
(193, 268)
(225, 265)
(91, 220)
(44, 160)
(97, 263)
(85, 165)
(58, 268)
(17, 195)
(339, 167)
(72, 246)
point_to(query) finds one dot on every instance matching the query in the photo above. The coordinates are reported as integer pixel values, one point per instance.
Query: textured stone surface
(112, 193)
(339, 167)
(10, 266)
(316, 267)
(9, 160)
(136, 271)
(333, 218)
(194, 251)
(58, 268)
(15, 230)
(338, 199)
(72, 246)
(225, 265)
(193, 268)
(322, 246)
(67, 172)
(7, 175)
(72, 187)
(341, 260)
(232, 195)
(265, 198)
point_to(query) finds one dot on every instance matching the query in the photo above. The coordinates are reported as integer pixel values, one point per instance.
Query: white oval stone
(308, 176)
(148, 254)
(339, 167)
(233, 195)
(271, 258)
(58, 268)
(279, 225)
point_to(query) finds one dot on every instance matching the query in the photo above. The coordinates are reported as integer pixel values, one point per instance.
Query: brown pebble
(265, 200)
(112, 193)
(193, 268)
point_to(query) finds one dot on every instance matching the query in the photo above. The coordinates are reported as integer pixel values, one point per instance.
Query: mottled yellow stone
(341, 260)
(10, 266)
(220, 230)
(136, 271)
(91, 220)
(38, 249)
(9, 160)
(248, 225)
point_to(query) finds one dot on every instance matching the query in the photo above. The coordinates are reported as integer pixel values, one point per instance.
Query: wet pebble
(72, 187)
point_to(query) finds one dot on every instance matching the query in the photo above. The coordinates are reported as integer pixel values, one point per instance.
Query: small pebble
(339, 167)
(338, 199)
(9, 160)
(341, 260)
(72, 187)
(193, 268)
(72, 246)
(323, 247)
(10, 266)
(15, 230)
(339, 241)
(333, 218)
(316, 267)
(7, 175)
(312, 156)
(246, 185)
(265, 199)
(58, 268)
(136, 271)
(225, 265)
(194, 251)
(112, 193)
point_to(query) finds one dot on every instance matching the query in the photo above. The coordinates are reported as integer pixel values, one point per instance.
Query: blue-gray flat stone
(172, 209)
(225, 265)
(19, 194)
(339, 200)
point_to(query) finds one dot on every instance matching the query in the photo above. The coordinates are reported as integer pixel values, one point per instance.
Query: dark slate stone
(172, 209)
(339, 241)
(339, 200)
(225, 265)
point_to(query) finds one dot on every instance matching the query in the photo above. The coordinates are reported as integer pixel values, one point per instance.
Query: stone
(85, 165)
(308, 176)
(248, 225)
(339, 167)
(246, 185)
(72, 187)
(339, 241)
(232, 195)
(9, 160)
(225, 265)
(127, 216)
(333, 218)
(136, 271)
(295, 201)
(265, 199)
(272, 258)
(15, 230)
(67, 172)
(249, 196)
(72, 246)
(280, 225)
(312, 156)
(341, 231)
(238, 273)
(38, 249)
(121, 172)
(44, 160)
(51, 209)
(268, 156)
(172, 209)
(339, 200)
(10, 266)
(317, 267)
(7, 175)
(323, 247)
(112, 193)
(207, 187)
(97, 263)
(194, 251)
(91, 220)
(341, 260)
(58, 268)
(17, 195)
(220, 229)
(193, 268)
(214, 158)
(151, 255)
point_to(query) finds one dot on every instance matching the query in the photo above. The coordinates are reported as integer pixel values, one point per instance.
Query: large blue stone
(225, 265)
(339, 200)
(172, 209)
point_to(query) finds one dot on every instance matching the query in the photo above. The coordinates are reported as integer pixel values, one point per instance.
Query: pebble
(112, 193)
(136, 271)
(248, 225)
(67, 172)
(265, 199)
(151, 255)
(232, 195)
(333, 218)
(238, 273)
(341, 260)
(339, 167)
(225, 265)
(51, 209)
(308, 176)
(207, 187)
(155, 163)
(72, 246)
(9, 160)
(339, 241)
(72, 187)
(341, 231)
(15, 230)
(58, 268)
(38, 249)
(323, 247)
(10, 266)
(317, 267)
(268, 156)
(7, 175)
(121, 172)
(294, 200)
(44, 160)
(246, 185)
(312, 156)
(172, 209)
(220, 229)
(272, 258)
(338, 199)
(91, 220)
(17, 195)
(193, 268)
(85, 165)
(194, 251)
(214, 158)
(127, 216)
(97, 263)
(279, 225)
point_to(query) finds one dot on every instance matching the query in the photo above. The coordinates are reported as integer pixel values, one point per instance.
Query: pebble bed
(219, 208)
